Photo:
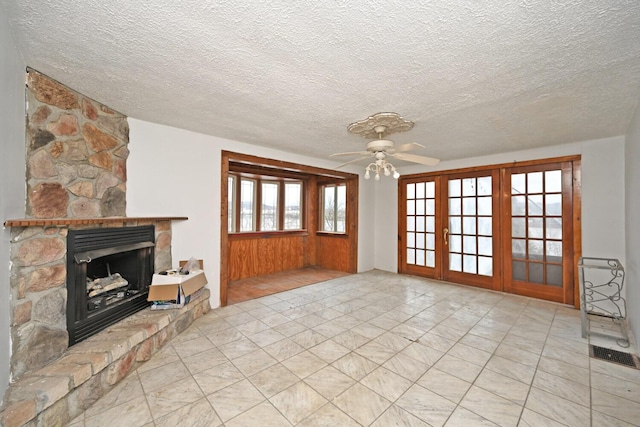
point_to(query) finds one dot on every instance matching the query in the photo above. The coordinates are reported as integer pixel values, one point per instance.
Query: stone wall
(76, 153)
(76, 168)
(39, 291)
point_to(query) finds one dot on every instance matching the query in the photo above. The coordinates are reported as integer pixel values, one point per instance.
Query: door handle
(445, 232)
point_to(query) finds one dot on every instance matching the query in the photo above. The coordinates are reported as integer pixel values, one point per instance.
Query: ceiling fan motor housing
(379, 145)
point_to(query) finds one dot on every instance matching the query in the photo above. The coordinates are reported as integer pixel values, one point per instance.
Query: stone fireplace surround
(76, 151)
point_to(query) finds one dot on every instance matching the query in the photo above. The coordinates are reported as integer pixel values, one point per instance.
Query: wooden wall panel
(334, 253)
(255, 257)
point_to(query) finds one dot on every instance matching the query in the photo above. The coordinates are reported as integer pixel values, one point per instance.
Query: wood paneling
(255, 257)
(333, 252)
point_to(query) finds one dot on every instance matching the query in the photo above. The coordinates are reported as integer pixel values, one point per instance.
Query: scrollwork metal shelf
(601, 282)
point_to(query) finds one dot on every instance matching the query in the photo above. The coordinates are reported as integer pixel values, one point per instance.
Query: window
(264, 204)
(247, 204)
(269, 207)
(231, 218)
(334, 212)
(292, 205)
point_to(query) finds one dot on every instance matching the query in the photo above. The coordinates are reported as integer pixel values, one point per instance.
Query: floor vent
(614, 356)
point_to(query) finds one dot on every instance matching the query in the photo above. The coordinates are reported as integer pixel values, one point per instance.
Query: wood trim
(42, 222)
(266, 234)
(282, 165)
(224, 227)
(523, 163)
(577, 228)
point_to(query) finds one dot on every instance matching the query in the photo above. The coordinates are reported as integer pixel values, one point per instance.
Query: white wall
(12, 172)
(175, 172)
(632, 229)
(603, 207)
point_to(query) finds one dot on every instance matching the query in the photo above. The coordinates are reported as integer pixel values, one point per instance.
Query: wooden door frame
(271, 166)
(576, 191)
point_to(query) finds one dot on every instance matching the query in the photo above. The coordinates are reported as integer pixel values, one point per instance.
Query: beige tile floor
(377, 349)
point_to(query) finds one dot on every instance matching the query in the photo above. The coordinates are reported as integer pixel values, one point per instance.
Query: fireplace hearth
(109, 271)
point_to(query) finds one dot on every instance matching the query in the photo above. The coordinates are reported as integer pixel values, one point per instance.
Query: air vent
(614, 356)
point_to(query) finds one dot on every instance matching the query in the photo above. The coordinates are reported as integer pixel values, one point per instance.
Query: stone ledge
(62, 390)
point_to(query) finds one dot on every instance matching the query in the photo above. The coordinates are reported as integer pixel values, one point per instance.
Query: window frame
(321, 208)
(259, 180)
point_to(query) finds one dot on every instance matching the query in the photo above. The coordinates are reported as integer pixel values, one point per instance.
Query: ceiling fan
(380, 125)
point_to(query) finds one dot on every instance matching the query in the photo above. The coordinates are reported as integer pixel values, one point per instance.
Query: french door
(507, 227)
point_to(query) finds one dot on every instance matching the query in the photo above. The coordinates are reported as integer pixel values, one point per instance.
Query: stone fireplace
(108, 275)
(75, 231)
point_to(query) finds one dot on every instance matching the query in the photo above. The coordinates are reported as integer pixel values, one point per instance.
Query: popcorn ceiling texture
(476, 77)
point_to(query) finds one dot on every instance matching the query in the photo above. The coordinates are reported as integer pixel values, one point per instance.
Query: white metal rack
(601, 283)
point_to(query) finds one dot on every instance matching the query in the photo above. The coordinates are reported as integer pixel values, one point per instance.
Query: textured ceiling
(476, 77)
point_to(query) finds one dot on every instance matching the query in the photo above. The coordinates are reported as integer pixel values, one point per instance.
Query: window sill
(267, 234)
(332, 234)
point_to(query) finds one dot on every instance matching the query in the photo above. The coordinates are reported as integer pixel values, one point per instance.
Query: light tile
(238, 348)
(600, 419)
(533, 419)
(409, 368)
(444, 384)
(503, 386)
(290, 328)
(163, 375)
(283, 349)
(163, 357)
(626, 389)
(191, 347)
(386, 383)
(202, 361)
(304, 364)
(470, 354)
(298, 402)
(128, 389)
(329, 382)
(354, 365)
(254, 362)
(133, 413)
(615, 406)
(308, 338)
(173, 396)
(480, 343)
(396, 416)
(218, 377)
(233, 400)
(561, 387)
(462, 417)
(262, 415)
(273, 380)
(328, 416)
(557, 409)
(426, 405)
(350, 339)
(329, 351)
(266, 337)
(199, 413)
(511, 369)
(368, 330)
(376, 352)
(494, 408)
(225, 336)
(517, 354)
(423, 353)
(362, 404)
(459, 368)
(564, 370)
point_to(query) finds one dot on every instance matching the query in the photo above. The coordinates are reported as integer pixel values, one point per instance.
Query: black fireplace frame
(83, 245)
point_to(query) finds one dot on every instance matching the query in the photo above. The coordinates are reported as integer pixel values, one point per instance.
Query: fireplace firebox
(109, 271)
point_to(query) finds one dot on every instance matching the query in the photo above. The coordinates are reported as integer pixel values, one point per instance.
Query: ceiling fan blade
(349, 153)
(423, 160)
(353, 161)
(408, 147)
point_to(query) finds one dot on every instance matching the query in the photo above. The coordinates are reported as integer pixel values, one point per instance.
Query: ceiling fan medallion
(378, 126)
(369, 127)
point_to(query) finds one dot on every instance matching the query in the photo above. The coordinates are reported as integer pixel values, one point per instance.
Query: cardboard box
(174, 291)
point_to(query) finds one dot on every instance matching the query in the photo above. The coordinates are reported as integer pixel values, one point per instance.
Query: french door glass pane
(536, 227)
(420, 219)
(470, 216)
